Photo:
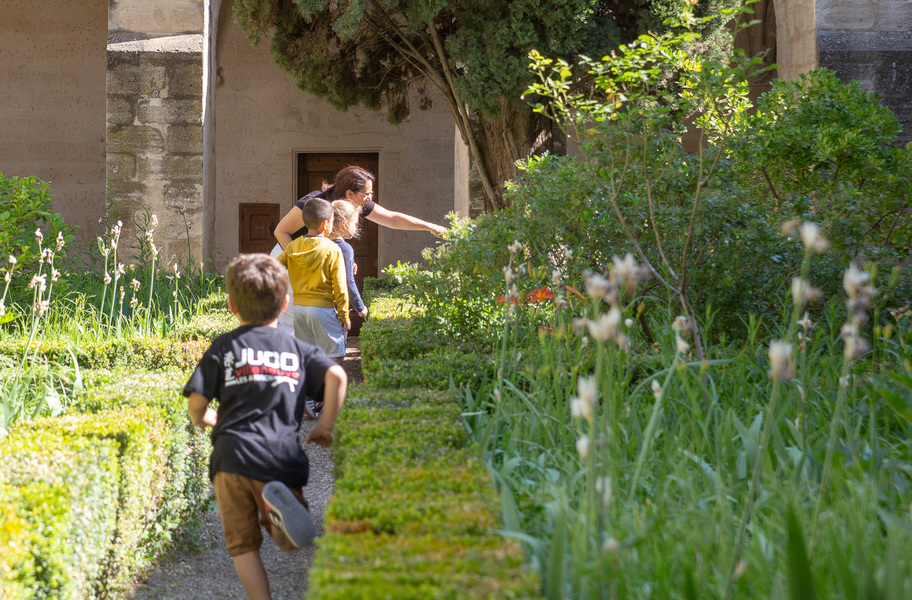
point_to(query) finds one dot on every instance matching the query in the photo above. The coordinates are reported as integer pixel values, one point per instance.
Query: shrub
(437, 370)
(145, 352)
(26, 205)
(159, 478)
(59, 498)
(413, 515)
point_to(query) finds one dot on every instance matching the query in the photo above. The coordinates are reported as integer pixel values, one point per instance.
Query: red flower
(513, 301)
(540, 295)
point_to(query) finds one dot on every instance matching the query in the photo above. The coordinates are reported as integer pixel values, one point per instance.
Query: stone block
(126, 193)
(864, 15)
(121, 166)
(129, 75)
(845, 14)
(149, 167)
(183, 195)
(135, 140)
(185, 75)
(167, 111)
(184, 139)
(119, 111)
(182, 167)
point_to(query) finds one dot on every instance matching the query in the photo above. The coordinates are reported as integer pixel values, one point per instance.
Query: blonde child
(345, 226)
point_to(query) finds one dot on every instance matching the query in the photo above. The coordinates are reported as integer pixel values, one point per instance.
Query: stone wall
(870, 41)
(154, 139)
(52, 101)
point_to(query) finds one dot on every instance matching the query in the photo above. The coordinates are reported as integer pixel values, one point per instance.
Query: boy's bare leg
(250, 570)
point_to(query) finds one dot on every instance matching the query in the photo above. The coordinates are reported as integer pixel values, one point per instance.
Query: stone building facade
(164, 104)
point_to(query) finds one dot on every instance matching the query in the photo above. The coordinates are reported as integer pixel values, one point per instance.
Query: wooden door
(316, 169)
(257, 224)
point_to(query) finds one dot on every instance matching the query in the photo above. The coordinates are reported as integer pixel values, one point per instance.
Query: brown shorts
(240, 504)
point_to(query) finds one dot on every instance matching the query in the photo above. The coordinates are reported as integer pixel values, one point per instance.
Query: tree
(385, 54)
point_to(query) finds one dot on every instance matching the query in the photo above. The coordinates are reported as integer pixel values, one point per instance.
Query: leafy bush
(59, 497)
(26, 205)
(144, 352)
(435, 371)
(412, 515)
(158, 479)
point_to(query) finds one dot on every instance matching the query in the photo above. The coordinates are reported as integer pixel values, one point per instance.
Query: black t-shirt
(261, 377)
(366, 209)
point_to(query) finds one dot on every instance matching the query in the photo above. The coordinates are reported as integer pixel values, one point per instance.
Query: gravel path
(209, 572)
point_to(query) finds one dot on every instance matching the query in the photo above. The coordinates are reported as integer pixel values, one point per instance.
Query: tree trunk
(501, 141)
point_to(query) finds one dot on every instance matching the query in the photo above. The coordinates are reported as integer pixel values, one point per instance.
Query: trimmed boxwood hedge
(145, 352)
(414, 514)
(89, 499)
(58, 509)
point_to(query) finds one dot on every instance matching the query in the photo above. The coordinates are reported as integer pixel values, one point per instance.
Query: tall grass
(88, 307)
(778, 467)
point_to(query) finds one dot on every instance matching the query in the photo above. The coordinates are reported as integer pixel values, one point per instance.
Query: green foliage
(412, 515)
(363, 566)
(436, 371)
(819, 147)
(26, 205)
(155, 477)
(206, 325)
(59, 500)
(486, 45)
(143, 352)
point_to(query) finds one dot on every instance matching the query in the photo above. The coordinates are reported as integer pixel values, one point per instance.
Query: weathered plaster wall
(796, 47)
(135, 19)
(870, 41)
(155, 141)
(52, 101)
(261, 119)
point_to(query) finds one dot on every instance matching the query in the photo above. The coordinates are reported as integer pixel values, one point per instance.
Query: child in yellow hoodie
(316, 269)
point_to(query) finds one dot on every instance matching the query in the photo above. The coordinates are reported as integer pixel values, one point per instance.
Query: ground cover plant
(701, 386)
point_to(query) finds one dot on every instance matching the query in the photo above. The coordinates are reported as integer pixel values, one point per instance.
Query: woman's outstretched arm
(398, 220)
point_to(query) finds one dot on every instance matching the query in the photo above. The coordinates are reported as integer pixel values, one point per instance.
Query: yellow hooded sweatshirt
(316, 269)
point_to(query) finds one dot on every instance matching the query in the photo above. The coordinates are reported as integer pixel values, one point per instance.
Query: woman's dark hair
(351, 178)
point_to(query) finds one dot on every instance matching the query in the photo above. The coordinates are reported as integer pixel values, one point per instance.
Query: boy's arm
(335, 384)
(200, 413)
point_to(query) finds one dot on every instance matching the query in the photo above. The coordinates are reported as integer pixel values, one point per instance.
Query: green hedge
(145, 352)
(58, 506)
(414, 514)
(435, 371)
(138, 470)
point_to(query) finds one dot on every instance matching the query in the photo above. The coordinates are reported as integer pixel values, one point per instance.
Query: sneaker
(287, 513)
(310, 409)
(318, 408)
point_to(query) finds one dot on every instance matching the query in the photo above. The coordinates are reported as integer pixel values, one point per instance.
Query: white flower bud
(656, 389)
(780, 357)
(582, 446)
